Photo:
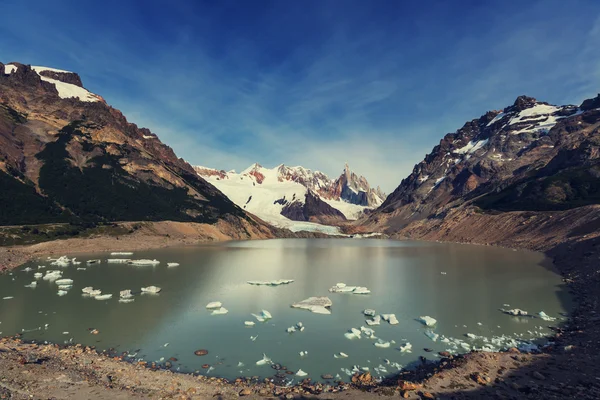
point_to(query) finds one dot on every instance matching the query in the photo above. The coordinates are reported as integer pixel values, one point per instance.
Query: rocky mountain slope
(285, 193)
(530, 156)
(67, 156)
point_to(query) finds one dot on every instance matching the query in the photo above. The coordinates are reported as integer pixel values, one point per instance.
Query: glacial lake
(463, 287)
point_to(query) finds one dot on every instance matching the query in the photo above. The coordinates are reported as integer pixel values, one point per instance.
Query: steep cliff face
(528, 156)
(66, 155)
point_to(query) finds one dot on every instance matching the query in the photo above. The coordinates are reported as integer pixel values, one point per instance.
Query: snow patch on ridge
(66, 90)
(9, 69)
(471, 147)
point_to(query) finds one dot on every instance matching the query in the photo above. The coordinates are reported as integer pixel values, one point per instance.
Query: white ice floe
(343, 288)
(266, 314)
(219, 311)
(264, 361)
(298, 327)
(340, 355)
(390, 318)
(7, 298)
(353, 333)
(118, 260)
(318, 305)
(376, 320)
(253, 338)
(64, 281)
(144, 262)
(125, 294)
(214, 304)
(32, 284)
(368, 332)
(431, 335)
(301, 373)
(515, 312)
(545, 316)
(249, 323)
(103, 297)
(382, 344)
(62, 292)
(151, 289)
(65, 287)
(94, 261)
(369, 312)
(121, 253)
(427, 321)
(28, 269)
(172, 264)
(271, 283)
(126, 300)
(303, 353)
(406, 348)
(63, 261)
(38, 275)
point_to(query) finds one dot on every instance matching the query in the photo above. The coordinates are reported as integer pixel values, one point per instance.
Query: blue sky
(314, 82)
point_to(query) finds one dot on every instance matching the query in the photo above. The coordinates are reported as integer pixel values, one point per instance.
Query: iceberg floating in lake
(406, 348)
(143, 262)
(62, 292)
(28, 269)
(65, 287)
(353, 333)
(151, 289)
(318, 305)
(249, 323)
(343, 288)
(214, 304)
(368, 332)
(125, 294)
(38, 275)
(266, 314)
(32, 284)
(63, 261)
(369, 312)
(301, 373)
(340, 355)
(64, 282)
(390, 318)
(52, 275)
(291, 329)
(172, 264)
(431, 335)
(121, 253)
(381, 344)
(95, 261)
(545, 316)
(118, 260)
(265, 360)
(427, 321)
(219, 311)
(259, 318)
(515, 312)
(376, 320)
(271, 283)
(103, 297)
(126, 300)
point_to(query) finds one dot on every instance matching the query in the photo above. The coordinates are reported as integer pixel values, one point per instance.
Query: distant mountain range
(530, 156)
(67, 156)
(285, 193)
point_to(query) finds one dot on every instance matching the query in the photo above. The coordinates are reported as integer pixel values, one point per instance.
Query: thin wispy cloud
(311, 83)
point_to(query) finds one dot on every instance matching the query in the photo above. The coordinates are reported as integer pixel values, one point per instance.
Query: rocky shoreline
(568, 368)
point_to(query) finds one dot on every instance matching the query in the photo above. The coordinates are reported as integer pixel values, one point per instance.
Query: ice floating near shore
(266, 314)
(318, 305)
(172, 264)
(151, 289)
(63, 261)
(343, 288)
(271, 283)
(515, 311)
(340, 355)
(381, 344)
(406, 348)
(121, 253)
(390, 318)
(38, 275)
(118, 260)
(432, 335)
(62, 292)
(545, 316)
(125, 294)
(65, 287)
(369, 312)
(301, 373)
(32, 284)
(95, 261)
(368, 332)
(376, 320)
(103, 297)
(143, 262)
(214, 304)
(64, 281)
(265, 360)
(28, 269)
(123, 300)
(353, 333)
(427, 321)
(249, 323)
(219, 311)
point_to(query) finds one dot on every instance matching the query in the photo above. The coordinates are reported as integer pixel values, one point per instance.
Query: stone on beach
(427, 321)
(318, 305)
(214, 304)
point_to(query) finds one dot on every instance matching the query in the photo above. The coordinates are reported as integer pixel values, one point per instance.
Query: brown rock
(445, 354)
(538, 375)
(405, 394)
(245, 392)
(201, 352)
(407, 386)
(427, 395)
(479, 378)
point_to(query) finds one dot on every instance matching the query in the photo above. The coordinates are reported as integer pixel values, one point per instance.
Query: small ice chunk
(343, 288)
(259, 318)
(240, 364)
(7, 298)
(368, 332)
(406, 348)
(62, 292)
(64, 281)
(32, 285)
(515, 312)
(264, 361)
(219, 311)
(381, 344)
(353, 333)
(38, 275)
(122, 300)
(431, 335)
(318, 305)
(301, 373)
(118, 260)
(253, 338)
(427, 321)
(28, 269)
(121, 253)
(172, 264)
(103, 297)
(291, 329)
(125, 294)
(369, 312)
(271, 283)
(303, 353)
(151, 289)
(249, 323)
(214, 304)
(390, 318)
(266, 314)
(545, 316)
(340, 355)
(375, 321)
(143, 262)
